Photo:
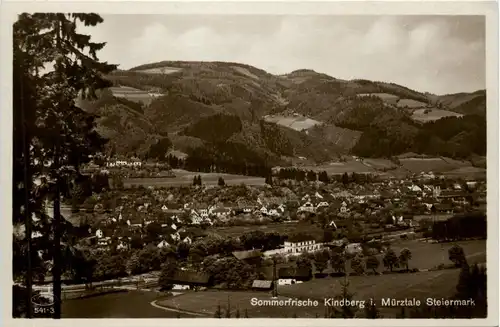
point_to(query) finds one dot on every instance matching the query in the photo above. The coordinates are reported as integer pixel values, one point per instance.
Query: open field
(379, 163)
(429, 255)
(297, 123)
(411, 103)
(421, 285)
(185, 178)
(207, 302)
(341, 137)
(336, 168)
(436, 165)
(432, 114)
(397, 286)
(386, 97)
(132, 94)
(400, 286)
(471, 172)
(160, 70)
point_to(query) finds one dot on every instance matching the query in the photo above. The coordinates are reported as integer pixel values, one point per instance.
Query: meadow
(411, 103)
(160, 70)
(438, 283)
(420, 285)
(297, 123)
(185, 178)
(379, 164)
(436, 165)
(132, 94)
(432, 114)
(336, 168)
(386, 97)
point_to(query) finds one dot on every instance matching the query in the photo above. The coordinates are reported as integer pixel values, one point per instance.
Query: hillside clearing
(160, 70)
(387, 97)
(427, 115)
(409, 103)
(245, 72)
(297, 123)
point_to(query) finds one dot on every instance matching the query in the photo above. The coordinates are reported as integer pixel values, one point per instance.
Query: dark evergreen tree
(345, 179)
(54, 129)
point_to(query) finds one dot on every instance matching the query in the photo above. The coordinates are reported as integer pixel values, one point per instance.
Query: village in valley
(201, 186)
(266, 239)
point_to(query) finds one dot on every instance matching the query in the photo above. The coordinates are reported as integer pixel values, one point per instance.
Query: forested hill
(233, 110)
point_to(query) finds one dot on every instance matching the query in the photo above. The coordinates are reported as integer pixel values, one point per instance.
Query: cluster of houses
(346, 203)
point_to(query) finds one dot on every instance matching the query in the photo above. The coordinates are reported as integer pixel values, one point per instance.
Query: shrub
(390, 259)
(457, 256)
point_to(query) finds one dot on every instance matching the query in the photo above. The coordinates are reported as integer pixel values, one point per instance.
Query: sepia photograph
(237, 166)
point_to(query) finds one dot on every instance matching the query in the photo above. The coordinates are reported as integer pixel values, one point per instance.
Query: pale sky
(437, 54)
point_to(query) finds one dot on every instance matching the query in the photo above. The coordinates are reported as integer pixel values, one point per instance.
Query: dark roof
(297, 273)
(267, 284)
(243, 255)
(190, 277)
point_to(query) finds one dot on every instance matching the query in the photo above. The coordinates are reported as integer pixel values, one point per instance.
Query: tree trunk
(57, 216)
(27, 207)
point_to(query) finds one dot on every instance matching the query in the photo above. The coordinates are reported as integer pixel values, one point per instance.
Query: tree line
(460, 227)
(301, 175)
(453, 137)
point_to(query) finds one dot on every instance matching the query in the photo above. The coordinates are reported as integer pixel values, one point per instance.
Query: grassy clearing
(398, 286)
(417, 165)
(420, 285)
(432, 114)
(386, 97)
(341, 137)
(207, 303)
(185, 178)
(297, 123)
(160, 70)
(131, 94)
(472, 172)
(411, 103)
(430, 255)
(379, 163)
(336, 168)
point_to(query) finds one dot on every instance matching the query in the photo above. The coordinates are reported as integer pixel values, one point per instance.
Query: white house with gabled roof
(163, 244)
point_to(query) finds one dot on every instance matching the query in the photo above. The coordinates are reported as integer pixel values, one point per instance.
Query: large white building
(303, 246)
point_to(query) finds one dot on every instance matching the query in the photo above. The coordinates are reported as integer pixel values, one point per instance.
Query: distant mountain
(228, 107)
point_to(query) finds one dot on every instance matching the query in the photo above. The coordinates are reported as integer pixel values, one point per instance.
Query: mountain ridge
(313, 115)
